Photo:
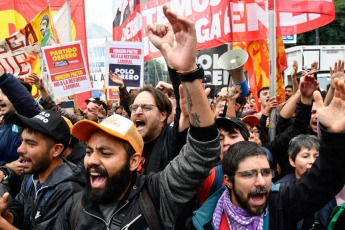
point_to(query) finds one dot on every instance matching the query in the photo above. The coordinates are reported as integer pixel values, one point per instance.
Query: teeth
(94, 174)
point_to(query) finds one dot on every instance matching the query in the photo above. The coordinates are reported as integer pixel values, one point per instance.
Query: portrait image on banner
(126, 59)
(67, 69)
(20, 53)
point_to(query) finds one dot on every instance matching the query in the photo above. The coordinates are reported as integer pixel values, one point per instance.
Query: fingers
(318, 99)
(207, 91)
(341, 87)
(337, 91)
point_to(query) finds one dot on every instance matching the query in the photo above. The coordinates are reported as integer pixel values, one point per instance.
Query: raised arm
(182, 177)
(18, 95)
(294, 76)
(326, 176)
(337, 72)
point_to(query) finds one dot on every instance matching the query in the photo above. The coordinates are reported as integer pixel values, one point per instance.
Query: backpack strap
(28, 183)
(148, 209)
(218, 180)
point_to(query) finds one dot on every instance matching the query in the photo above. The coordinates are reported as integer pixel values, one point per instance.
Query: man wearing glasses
(249, 199)
(150, 111)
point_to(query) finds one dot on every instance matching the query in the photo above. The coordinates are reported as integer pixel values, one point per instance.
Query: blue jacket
(25, 105)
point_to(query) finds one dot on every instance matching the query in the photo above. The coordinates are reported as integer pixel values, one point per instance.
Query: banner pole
(272, 55)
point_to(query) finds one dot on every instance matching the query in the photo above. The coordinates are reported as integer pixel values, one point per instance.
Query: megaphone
(232, 59)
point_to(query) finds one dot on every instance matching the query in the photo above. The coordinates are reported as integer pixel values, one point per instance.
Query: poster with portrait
(126, 59)
(67, 69)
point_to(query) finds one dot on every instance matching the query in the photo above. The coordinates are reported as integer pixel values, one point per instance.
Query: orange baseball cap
(115, 125)
(251, 120)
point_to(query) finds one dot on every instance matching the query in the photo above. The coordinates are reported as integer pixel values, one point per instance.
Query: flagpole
(69, 15)
(272, 56)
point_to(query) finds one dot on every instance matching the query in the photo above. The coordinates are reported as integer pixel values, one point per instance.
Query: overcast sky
(100, 13)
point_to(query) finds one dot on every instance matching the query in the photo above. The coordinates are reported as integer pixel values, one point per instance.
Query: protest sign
(67, 69)
(126, 59)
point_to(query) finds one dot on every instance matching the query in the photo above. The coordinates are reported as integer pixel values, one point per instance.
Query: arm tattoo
(194, 117)
(189, 99)
(195, 121)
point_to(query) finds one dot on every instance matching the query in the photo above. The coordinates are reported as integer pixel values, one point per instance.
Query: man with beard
(49, 181)
(151, 109)
(249, 200)
(114, 150)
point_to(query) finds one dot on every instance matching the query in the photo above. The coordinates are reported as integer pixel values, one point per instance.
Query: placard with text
(126, 59)
(67, 69)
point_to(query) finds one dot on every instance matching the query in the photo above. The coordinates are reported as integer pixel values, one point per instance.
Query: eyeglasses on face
(220, 106)
(144, 107)
(253, 174)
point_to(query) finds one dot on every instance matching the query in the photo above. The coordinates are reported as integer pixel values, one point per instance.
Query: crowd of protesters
(167, 158)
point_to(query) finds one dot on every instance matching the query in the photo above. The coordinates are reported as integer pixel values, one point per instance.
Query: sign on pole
(126, 59)
(67, 69)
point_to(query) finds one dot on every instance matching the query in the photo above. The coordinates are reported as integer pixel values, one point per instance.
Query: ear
(163, 116)
(57, 150)
(228, 182)
(292, 163)
(134, 161)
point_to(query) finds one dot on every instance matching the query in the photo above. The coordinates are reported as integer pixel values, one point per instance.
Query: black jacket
(39, 210)
(169, 190)
(314, 189)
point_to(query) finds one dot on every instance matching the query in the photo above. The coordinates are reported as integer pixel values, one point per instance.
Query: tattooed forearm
(195, 121)
(189, 99)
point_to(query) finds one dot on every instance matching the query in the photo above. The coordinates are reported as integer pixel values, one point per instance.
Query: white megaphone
(233, 61)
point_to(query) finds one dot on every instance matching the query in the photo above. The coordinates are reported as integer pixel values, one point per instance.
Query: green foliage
(154, 71)
(331, 34)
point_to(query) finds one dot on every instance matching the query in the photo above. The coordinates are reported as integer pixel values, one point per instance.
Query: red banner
(15, 14)
(220, 21)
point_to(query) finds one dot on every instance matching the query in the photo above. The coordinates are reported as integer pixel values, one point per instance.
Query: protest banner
(67, 69)
(126, 59)
(15, 14)
(218, 22)
(20, 53)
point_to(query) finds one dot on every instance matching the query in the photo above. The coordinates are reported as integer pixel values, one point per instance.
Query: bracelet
(190, 76)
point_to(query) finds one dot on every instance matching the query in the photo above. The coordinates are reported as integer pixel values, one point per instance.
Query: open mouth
(97, 180)
(258, 199)
(25, 162)
(139, 124)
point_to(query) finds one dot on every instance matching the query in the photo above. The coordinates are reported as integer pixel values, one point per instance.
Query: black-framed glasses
(145, 107)
(253, 174)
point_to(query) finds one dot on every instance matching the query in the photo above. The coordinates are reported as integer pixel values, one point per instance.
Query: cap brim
(252, 120)
(221, 121)
(23, 121)
(85, 128)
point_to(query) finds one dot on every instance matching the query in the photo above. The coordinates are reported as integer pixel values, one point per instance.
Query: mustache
(97, 169)
(261, 190)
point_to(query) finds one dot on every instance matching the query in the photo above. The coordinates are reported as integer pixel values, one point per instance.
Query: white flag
(62, 23)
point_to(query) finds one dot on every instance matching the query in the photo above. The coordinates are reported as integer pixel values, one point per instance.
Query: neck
(54, 164)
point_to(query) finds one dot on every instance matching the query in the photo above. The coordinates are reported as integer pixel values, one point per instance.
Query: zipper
(130, 223)
(107, 224)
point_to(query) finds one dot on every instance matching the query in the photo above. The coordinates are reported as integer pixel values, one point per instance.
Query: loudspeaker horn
(232, 59)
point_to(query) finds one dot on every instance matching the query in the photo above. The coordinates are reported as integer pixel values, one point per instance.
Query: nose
(139, 110)
(252, 137)
(21, 149)
(260, 181)
(92, 159)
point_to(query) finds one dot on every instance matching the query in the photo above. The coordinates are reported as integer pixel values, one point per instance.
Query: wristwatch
(198, 73)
